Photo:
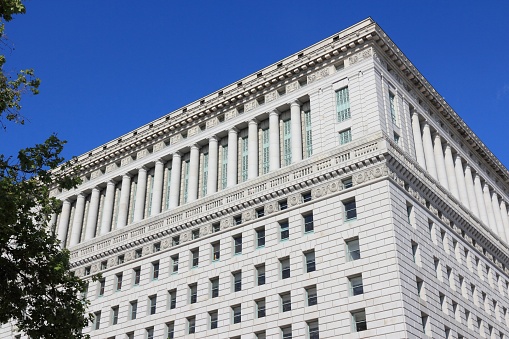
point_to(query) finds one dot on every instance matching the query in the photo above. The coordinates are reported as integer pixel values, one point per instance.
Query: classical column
(78, 220)
(505, 219)
(451, 175)
(489, 208)
(428, 151)
(52, 223)
(483, 215)
(63, 225)
(296, 126)
(499, 224)
(274, 153)
(93, 211)
(123, 204)
(176, 168)
(252, 159)
(212, 167)
(109, 201)
(419, 151)
(469, 181)
(157, 190)
(460, 181)
(233, 154)
(439, 161)
(194, 165)
(141, 193)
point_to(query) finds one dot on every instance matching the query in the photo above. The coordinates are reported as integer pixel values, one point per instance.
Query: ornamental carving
(176, 138)
(126, 161)
(166, 243)
(211, 123)
(184, 237)
(146, 250)
(111, 262)
(334, 186)
(96, 174)
(359, 56)
(230, 114)
(251, 105)
(292, 87)
(248, 215)
(80, 272)
(374, 173)
(193, 130)
(271, 207)
(95, 268)
(205, 230)
(129, 256)
(318, 75)
(445, 220)
(159, 146)
(318, 192)
(271, 96)
(111, 167)
(294, 199)
(142, 153)
(226, 223)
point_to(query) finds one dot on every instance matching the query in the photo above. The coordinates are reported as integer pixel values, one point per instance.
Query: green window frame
(343, 104)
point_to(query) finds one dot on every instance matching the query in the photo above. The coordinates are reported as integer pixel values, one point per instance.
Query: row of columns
(465, 186)
(175, 180)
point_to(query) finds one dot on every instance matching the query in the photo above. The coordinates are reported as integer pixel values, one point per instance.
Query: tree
(38, 293)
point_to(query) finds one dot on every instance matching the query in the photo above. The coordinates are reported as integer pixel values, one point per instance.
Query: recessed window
(104, 265)
(237, 281)
(191, 325)
(150, 332)
(286, 332)
(156, 247)
(309, 225)
(216, 227)
(283, 204)
(88, 270)
(118, 278)
(216, 251)
(175, 240)
(152, 302)
(343, 104)
(133, 309)
(97, 320)
(155, 270)
(260, 212)
(120, 260)
(260, 308)
(102, 284)
(213, 319)
(260, 275)
(237, 244)
(310, 261)
(356, 287)
(306, 197)
(284, 230)
(237, 314)
(352, 249)
(138, 253)
(311, 295)
(195, 234)
(237, 220)
(130, 335)
(260, 237)
(286, 302)
(420, 287)
(137, 275)
(193, 293)
(424, 322)
(285, 267)
(313, 331)
(172, 296)
(350, 210)
(345, 136)
(347, 183)
(174, 263)
(396, 138)
(114, 315)
(214, 287)
(195, 256)
(359, 321)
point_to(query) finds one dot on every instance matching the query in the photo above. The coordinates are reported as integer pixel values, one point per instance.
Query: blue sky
(108, 67)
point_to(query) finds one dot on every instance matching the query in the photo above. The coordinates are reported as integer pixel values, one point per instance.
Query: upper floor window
(308, 223)
(260, 237)
(237, 244)
(137, 275)
(345, 136)
(343, 104)
(310, 261)
(285, 268)
(237, 281)
(216, 251)
(175, 263)
(155, 270)
(195, 255)
(392, 108)
(284, 230)
(352, 249)
(350, 210)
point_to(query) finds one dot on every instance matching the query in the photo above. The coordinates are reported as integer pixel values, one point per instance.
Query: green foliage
(38, 293)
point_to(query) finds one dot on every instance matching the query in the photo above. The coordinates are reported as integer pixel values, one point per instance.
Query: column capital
(111, 182)
(274, 112)
(295, 102)
(96, 189)
(213, 138)
(195, 146)
(127, 175)
(160, 161)
(66, 201)
(233, 130)
(142, 168)
(176, 154)
(81, 195)
(253, 121)
(415, 113)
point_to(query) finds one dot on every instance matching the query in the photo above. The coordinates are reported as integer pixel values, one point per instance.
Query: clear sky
(108, 67)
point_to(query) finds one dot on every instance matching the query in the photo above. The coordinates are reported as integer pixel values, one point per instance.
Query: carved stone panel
(373, 173)
(146, 250)
(226, 223)
(159, 146)
(126, 161)
(271, 207)
(166, 243)
(319, 74)
(292, 86)
(96, 174)
(248, 215)
(205, 230)
(193, 130)
(355, 58)
(230, 114)
(295, 199)
(95, 268)
(111, 262)
(176, 138)
(318, 192)
(111, 167)
(211, 123)
(251, 105)
(271, 96)
(141, 153)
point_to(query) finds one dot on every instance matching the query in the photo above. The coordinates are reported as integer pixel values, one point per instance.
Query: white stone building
(333, 194)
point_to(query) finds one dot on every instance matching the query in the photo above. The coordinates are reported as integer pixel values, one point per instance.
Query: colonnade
(118, 208)
(454, 173)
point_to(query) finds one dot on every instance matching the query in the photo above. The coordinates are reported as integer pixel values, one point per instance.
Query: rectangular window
(285, 268)
(356, 287)
(185, 182)
(205, 174)
(244, 159)
(310, 261)
(237, 244)
(97, 320)
(308, 223)
(213, 319)
(172, 298)
(347, 183)
(224, 167)
(350, 210)
(286, 302)
(353, 249)
(306, 197)
(137, 275)
(311, 295)
(102, 284)
(359, 321)
(130, 335)
(260, 237)
(287, 143)
(120, 260)
(420, 285)
(156, 247)
(155, 270)
(237, 220)
(216, 227)
(343, 104)
(396, 138)
(237, 281)
(118, 278)
(150, 333)
(284, 230)
(167, 187)
(216, 251)
(265, 151)
(286, 332)
(415, 253)
(260, 274)
(191, 325)
(424, 322)
(195, 255)
(193, 293)
(237, 314)
(261, 335)
(114, 315)
(214, 287)
(308, 142)
(133, 305)
(260, 212)
(283, 204)
(152, 304)
(392, 107)
(313, 329)
(174, 264)
(345, 136)
(175, 241)
(260, 308)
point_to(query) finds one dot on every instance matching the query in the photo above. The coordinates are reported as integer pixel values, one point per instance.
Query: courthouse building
(332, 194)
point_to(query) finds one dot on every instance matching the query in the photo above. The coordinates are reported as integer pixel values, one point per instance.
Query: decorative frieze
(248, 215)
(369, 174)
(126, 161)
(324, 72)
(211, 122)
(230, 114)
(293, 86)
(294, 200)
(95, 174)
(357, 57)
(193, 131)
(271, 96)
(158, 146)
(175, 138)
(226, 223)
(111, 167)
(141, 153)
(250, 105)
(271, 207)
